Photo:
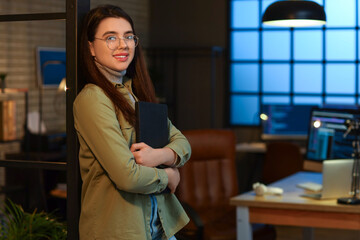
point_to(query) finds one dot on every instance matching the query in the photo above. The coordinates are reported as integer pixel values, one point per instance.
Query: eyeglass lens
(114, 43)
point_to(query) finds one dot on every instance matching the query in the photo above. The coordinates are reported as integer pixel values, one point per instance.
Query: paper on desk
(33, 123)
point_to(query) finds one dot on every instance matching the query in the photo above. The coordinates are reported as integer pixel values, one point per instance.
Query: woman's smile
(122, 57)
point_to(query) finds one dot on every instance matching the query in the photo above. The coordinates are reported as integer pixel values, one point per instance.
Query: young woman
(122, 192)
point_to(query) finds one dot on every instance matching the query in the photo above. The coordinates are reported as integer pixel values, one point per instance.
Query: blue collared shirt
(156, 229)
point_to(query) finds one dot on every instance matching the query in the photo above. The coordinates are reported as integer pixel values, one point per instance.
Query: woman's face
(119, 57)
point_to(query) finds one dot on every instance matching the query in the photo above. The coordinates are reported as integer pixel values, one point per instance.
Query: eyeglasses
(113, 42)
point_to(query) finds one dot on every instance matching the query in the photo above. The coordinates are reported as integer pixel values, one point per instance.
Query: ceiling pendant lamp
(294, 13)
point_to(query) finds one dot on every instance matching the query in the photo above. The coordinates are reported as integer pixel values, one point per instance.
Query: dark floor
(295, 233)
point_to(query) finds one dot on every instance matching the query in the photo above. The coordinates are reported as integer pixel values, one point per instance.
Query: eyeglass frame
(135, 39)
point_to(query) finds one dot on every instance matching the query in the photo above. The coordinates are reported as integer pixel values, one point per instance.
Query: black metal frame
(75, 11)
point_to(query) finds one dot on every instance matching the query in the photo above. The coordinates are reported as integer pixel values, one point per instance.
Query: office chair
(208, 180)
(281, 160)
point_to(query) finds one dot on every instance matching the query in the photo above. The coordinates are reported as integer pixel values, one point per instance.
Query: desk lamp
(353, 125)
(294, 13)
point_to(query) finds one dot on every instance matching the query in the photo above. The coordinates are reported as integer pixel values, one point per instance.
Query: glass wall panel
(340, 100)
(245, 45)
(340, 13)
(276, 78)
(340, 44)
(340, 78)
(244, 110)
(245, 14)
(308, 45)
(311, 65)
(307, 100)
(307, 78)
(276, 100)
(245, 77)
(276, 45)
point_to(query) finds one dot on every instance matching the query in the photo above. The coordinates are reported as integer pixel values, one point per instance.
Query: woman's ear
(91, 47)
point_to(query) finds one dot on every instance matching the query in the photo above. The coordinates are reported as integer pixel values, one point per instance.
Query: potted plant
(16, 224)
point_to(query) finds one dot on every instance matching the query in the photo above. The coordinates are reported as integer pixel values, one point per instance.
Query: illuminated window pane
(245, 77)
(276, 99)
(307, 78)
(245, 45)
(308, 100)
(276, 78)
(358, 79)
(276, 45)
(308, 45)
(340, 13)
(340, 44)
(340, 100)
(340, 78)
(245, 14)
(244, 110)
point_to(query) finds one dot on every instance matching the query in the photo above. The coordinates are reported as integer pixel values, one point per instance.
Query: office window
(308, 45)
(306, 75)
(242, 72)
(276, 45)
(275, 65)
(245, 45)
(276, 78)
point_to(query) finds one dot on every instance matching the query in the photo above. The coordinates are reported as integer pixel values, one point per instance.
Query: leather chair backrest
(209, 177)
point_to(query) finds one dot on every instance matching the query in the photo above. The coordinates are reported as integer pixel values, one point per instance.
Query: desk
(37, 173)
(257, 147)
(293, 210)
(252, 147)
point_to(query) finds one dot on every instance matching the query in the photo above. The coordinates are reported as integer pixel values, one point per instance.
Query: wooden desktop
(290, 209)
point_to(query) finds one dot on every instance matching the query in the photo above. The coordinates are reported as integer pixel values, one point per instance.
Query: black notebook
(152, 124)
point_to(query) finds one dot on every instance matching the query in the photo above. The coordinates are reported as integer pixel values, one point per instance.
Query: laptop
(336, 179)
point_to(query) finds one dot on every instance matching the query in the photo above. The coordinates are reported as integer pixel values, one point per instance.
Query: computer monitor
(51, 66)
(285, 122)
(326, 138)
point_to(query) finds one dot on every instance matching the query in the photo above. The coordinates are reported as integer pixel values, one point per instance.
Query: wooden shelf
(32, 17)
(58, 193)
(34, 164)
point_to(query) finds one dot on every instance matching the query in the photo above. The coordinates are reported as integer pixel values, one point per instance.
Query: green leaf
(20, 225)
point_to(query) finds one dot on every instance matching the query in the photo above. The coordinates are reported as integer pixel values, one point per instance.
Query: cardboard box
(7, 120)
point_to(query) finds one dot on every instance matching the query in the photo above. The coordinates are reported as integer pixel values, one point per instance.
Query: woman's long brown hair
(137, 70)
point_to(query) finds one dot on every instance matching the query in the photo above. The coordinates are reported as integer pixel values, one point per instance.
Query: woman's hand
(173, 178)
(145, 155)
(152, 157)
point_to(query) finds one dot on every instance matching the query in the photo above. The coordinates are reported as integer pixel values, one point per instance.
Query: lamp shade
(294, 13)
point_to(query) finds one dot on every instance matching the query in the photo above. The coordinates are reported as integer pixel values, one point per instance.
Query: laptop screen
(326, 137)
